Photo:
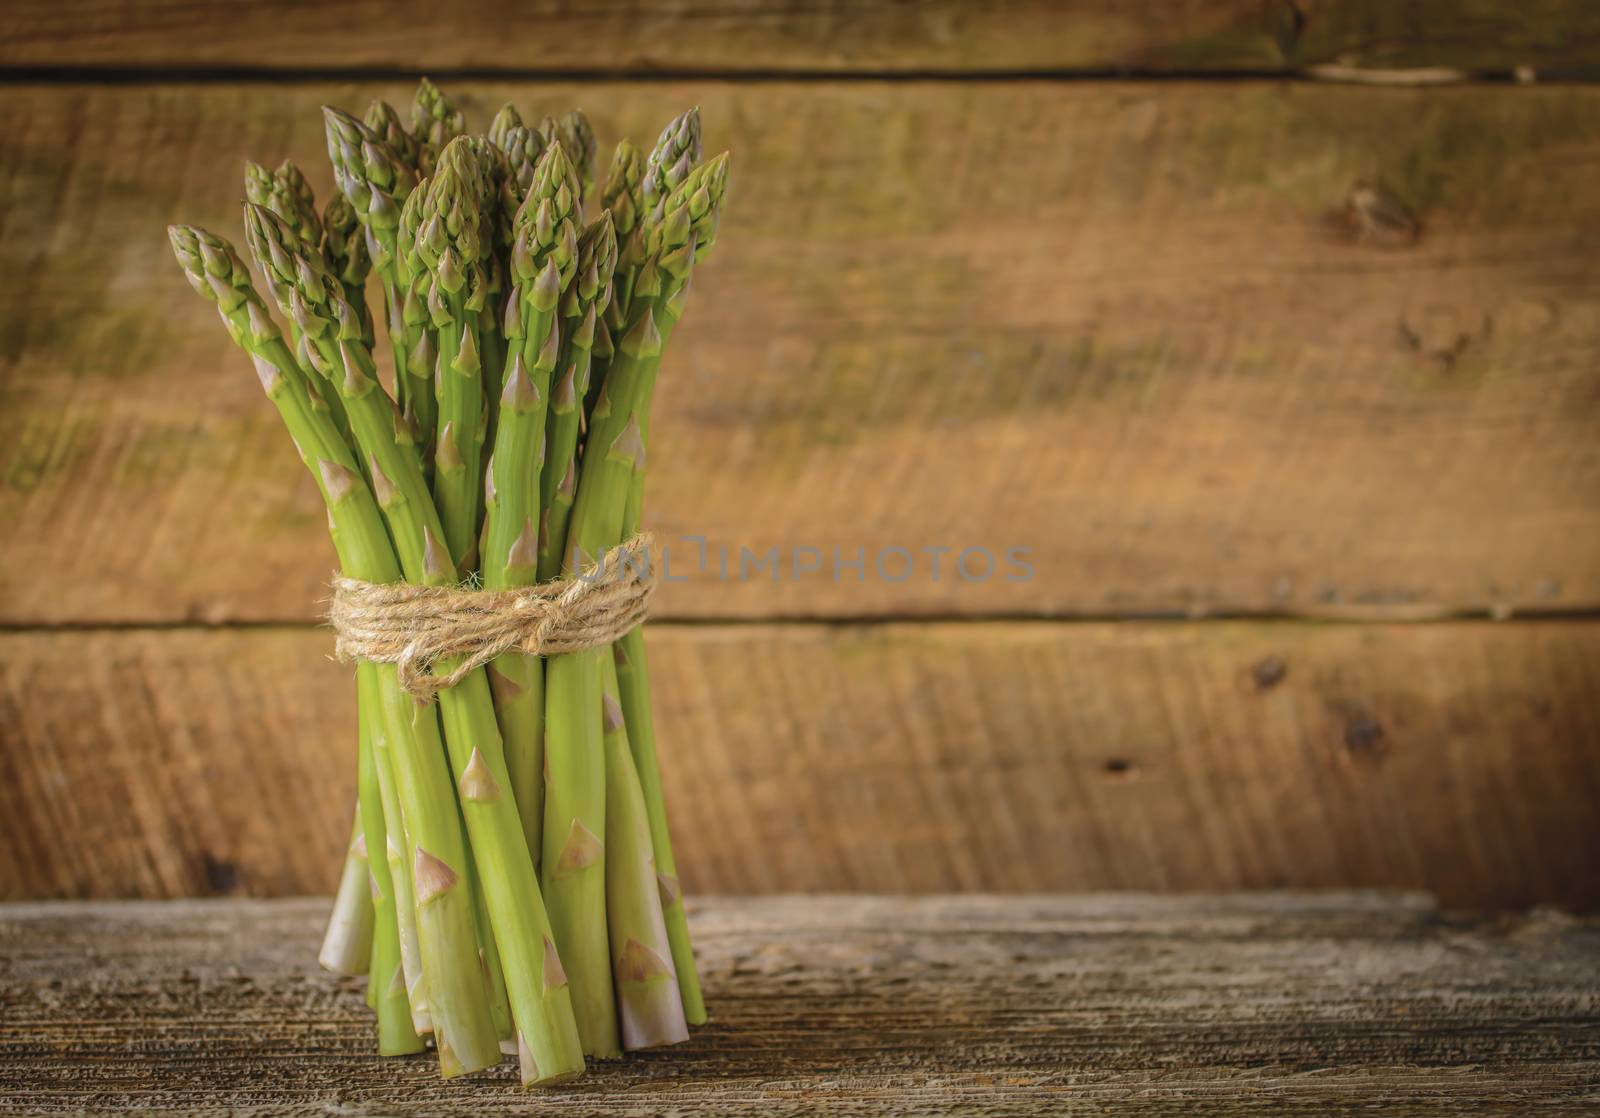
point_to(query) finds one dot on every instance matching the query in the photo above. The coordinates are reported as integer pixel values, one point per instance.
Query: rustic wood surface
(1336, 1003)
(1463, 758)
(1236, 347)
(829, 36)
(1146, 331)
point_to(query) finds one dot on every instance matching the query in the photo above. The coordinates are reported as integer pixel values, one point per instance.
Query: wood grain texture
(829, 36)
(1149, 333)
(1461, 758)
(1278, 1004)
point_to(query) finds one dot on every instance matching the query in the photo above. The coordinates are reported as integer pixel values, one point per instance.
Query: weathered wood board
(1147, 332)
(982, 1005)
(826, 36)
(1463, 758)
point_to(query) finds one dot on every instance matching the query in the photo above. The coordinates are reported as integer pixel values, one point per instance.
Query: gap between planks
(1350, 615)
(309, 75)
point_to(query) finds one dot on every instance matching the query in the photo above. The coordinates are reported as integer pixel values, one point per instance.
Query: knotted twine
(413, 627)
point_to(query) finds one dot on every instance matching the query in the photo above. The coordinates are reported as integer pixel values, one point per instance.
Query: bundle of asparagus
(510, 885)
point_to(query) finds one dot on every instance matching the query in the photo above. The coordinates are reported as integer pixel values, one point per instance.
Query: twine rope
(413, 627)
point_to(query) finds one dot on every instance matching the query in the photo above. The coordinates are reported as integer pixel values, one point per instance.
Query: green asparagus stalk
(633, 687)
(499, 207)
(623, 195)
(344, 247)
(540, 1001)
(397, 1035)
(574, 869)
(648, 999)
(451, 246)
(558, 468)
(287, 193)
(463, 1030)
(378, 181)
(374, 178)
(494, 977)
(544, 263)
(347, 943)
(639, 191)
(574, 866)
(398, 854)
(417, 337)
(700, 202)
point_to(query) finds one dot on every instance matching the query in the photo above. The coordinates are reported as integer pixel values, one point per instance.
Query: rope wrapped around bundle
(413, 627)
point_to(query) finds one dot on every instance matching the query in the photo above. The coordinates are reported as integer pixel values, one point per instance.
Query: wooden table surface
(855, 1005)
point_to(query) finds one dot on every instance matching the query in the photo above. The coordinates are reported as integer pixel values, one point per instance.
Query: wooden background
(1272, 330)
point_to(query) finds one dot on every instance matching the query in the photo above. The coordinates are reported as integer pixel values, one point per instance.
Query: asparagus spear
(675, 154)
(435, 121)
(384, 124)
(499, 208)
(540, 1001)
(398, 852)
(633, 687)
(574, 868)
(397, 1034)
(577, 137)
(558, 469)
(418, 337)
(345, 250)
(347, 943)
(286, 193)
(524, 146)
(506, 118)
(648, 998)
(494, 976)
(623, 195)
(452, 249)
(544, 263)
(378, 182)
(639, 192)
(462, 1027)
(575, 797)
(701, 202)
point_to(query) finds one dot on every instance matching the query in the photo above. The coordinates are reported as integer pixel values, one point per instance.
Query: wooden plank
(828, 36)
(1143, 332)
(1461, 758)
(855, 1006)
